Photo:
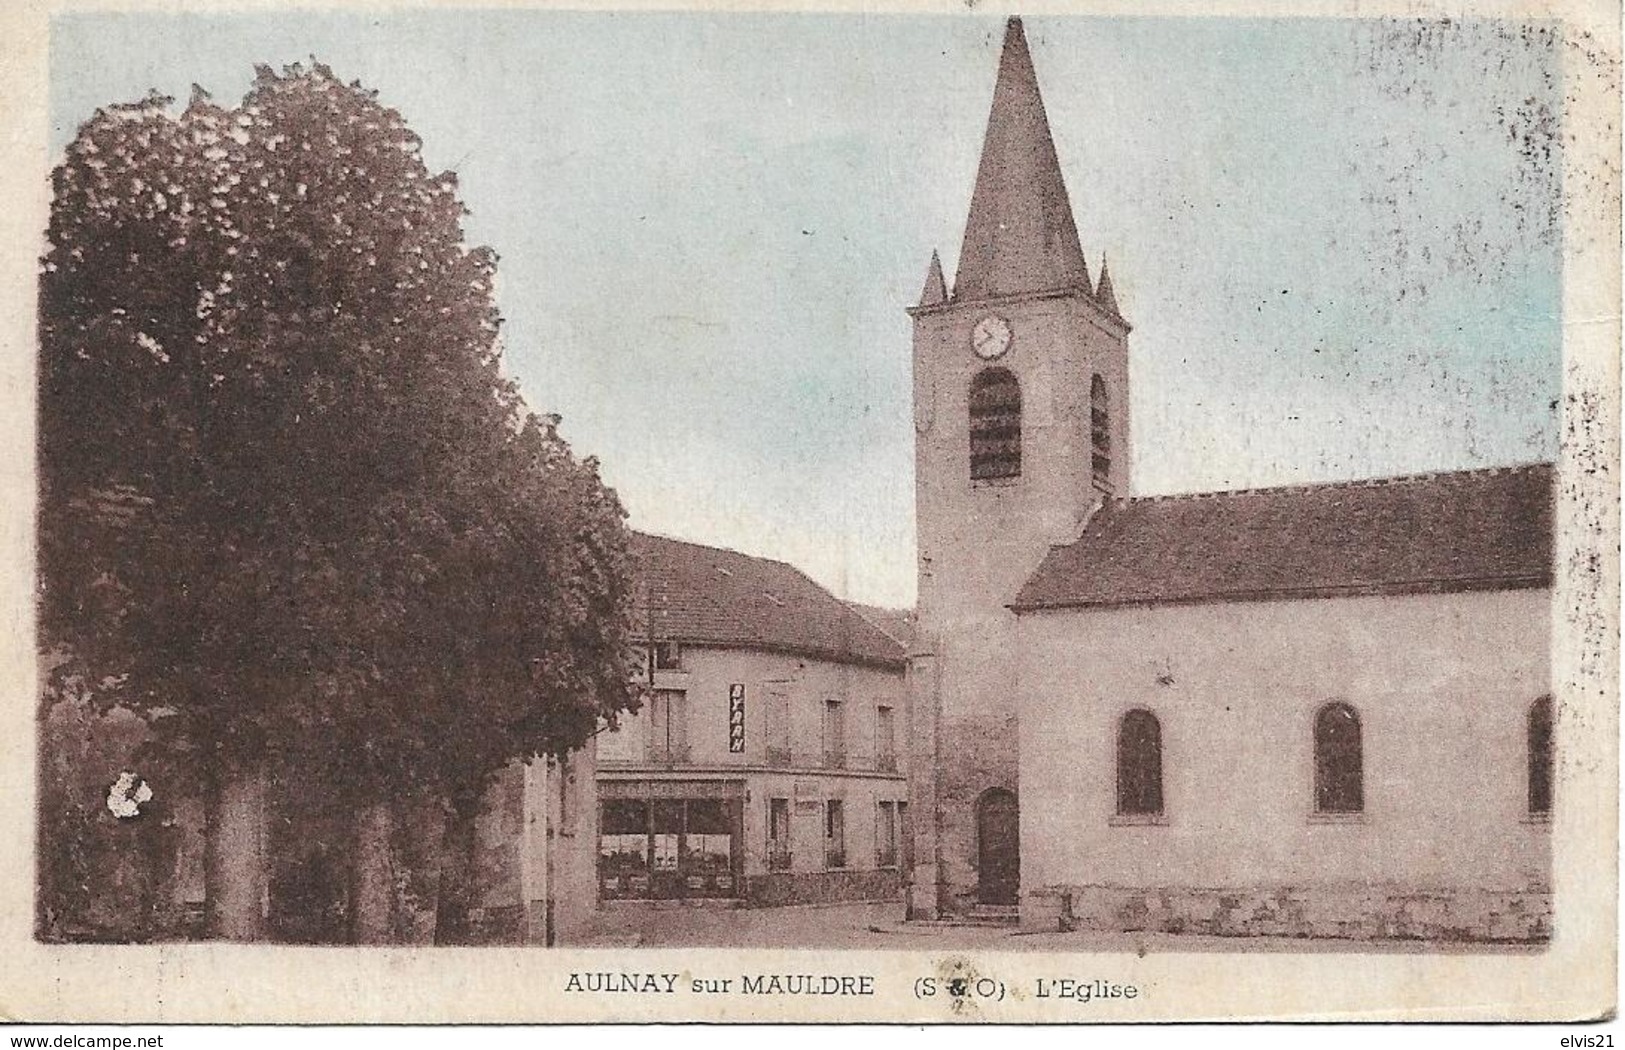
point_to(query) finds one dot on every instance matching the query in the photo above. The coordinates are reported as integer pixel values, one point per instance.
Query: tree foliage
(287, 494)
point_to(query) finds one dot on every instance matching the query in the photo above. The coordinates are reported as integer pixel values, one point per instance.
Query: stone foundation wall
(1355, 912)
(820, 887)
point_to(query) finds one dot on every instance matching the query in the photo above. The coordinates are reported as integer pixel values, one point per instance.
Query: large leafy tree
(288, 497)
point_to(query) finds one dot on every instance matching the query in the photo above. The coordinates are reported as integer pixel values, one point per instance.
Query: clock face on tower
(991, 337)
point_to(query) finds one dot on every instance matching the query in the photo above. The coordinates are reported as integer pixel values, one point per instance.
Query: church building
(1316, 710)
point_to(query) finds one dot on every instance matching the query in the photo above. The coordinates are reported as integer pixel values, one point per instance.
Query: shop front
(670, 839)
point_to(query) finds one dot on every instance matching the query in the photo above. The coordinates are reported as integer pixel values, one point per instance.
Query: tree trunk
(160, 842)
(234, 852)
(420, 827)
(456, 895)
(373, 901)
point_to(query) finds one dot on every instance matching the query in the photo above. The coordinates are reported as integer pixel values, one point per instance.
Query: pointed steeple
(936, 289)
(1103, 292)
(1020, 236)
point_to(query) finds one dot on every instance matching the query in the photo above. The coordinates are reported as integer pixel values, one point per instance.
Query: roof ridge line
(1348, 483)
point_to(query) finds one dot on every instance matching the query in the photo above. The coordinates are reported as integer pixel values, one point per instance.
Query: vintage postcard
(912, 513)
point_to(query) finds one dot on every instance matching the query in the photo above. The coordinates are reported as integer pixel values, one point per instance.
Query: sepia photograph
(832, 515)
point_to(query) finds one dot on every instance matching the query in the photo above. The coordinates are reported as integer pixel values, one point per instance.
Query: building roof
(710, 596)
(1020, 236)
(1464, 530)
(898, 623)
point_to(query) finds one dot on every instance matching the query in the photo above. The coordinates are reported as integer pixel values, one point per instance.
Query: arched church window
(1100, 435)
(1339, 764)
(1540, 757)
(995, 425)
(1139, 764)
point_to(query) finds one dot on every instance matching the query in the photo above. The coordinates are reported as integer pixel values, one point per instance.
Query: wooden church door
(998, 847)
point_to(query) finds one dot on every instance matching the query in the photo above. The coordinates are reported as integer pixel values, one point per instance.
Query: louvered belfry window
(995, 425)
(1100, 435)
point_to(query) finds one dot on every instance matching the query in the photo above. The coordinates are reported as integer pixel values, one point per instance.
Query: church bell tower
(1021, 429)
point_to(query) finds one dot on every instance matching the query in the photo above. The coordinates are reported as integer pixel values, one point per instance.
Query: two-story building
(768, 764)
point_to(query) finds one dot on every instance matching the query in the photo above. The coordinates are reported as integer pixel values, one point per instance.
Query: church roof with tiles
(1463, 530)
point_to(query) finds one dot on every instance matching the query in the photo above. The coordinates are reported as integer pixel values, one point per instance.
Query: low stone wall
(819, 887)
(1351, 912)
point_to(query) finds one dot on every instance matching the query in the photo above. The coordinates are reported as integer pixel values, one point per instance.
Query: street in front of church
(882, 925)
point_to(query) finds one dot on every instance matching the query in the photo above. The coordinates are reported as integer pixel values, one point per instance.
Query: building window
(995, 425)
(1339, 764)
(623, 847)
(667, 841)
(707, 856)
(668, 726)
(834, 735)
(886, 836)
(778, 728)
(778, 834)
(1100, 435)
(885, 740)
(1540, 757)
(1139, 764)
(834, 834)
(668, 656)
(667, 848)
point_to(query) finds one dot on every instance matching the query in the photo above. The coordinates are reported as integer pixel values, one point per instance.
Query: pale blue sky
(1334, 238)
